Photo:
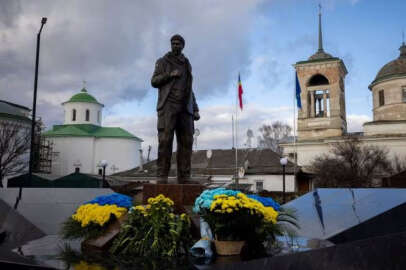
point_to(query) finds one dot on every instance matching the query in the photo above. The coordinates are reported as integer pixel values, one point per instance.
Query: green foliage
(251, 227)
(72, 229)
(238, 225)
(153, 231)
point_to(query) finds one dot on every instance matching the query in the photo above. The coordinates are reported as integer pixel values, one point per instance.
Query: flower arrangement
(92, 218)
(153, 230)
(235, 216)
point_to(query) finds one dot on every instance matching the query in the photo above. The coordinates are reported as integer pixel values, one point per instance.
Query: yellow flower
(183, 216)
(85, 266)
(94, 213)
(160, 199)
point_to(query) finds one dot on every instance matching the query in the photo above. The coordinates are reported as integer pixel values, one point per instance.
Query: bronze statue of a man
(177, 109)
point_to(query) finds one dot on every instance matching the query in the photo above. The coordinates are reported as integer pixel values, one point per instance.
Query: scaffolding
(45, 155)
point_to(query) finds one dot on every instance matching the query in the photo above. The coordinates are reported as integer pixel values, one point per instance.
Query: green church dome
(83, 96)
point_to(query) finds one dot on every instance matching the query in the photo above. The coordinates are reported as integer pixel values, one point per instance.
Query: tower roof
(394, 69)
(320, 54)
(83, 96)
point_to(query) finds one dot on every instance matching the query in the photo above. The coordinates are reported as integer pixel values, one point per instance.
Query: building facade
(81, 143)
(322, 119)
(262, 170)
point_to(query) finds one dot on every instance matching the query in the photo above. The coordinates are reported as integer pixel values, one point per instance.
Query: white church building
(82, 143)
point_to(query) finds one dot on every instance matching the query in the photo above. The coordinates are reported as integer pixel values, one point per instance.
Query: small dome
(396, 67)
(83, 96)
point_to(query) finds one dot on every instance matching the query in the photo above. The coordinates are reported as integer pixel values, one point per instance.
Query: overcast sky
(113, 45)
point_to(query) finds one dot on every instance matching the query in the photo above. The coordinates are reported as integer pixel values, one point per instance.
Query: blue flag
(298, 91)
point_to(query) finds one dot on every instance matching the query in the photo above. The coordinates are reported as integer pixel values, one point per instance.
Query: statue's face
(177, 46)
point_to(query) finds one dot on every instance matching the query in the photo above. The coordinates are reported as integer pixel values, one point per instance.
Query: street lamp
(104, 164)
(34, 102)
(209, 154)
(283, 162)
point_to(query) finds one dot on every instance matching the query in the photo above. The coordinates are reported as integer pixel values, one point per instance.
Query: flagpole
(294, 128)
(232, 130)
(236, 135)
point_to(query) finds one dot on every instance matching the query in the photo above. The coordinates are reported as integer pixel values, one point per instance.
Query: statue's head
(177, 44)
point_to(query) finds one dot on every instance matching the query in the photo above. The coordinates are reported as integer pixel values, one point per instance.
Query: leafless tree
(14, 148)
(273, 134)
(351, 164)
(398, 165)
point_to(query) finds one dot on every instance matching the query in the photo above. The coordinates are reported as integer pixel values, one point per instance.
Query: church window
(381, 98)
(259, 186)
(98, 116)
(318, 79)
(87, 115)
(404, 93)
(73, 115)
(321, 103)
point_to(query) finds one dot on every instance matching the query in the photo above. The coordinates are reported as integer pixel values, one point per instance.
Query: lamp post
(104, 164)
(209, 154)
(34, 102)
(283, 162)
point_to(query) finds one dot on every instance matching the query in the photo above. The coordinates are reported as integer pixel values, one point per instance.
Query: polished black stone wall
(392, 221)
(384, 252)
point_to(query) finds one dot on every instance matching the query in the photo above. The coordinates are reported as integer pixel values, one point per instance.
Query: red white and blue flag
(240, 91)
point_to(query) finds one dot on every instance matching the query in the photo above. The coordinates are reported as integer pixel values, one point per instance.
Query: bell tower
(321, 80)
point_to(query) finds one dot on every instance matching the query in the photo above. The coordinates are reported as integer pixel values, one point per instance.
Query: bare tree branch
(272, 135)
(14, 147)
(351, 164)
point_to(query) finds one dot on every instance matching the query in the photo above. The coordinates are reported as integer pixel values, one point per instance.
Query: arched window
(87, 115)
(74, 115)
(319, 98)
(318, 79)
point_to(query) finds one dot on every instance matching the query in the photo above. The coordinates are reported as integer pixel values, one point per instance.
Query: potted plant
(236, 218)
(92, 218)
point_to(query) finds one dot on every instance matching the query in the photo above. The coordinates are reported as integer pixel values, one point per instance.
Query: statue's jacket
(161, 79)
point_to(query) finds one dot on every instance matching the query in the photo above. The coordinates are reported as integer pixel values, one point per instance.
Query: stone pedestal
(181, 194)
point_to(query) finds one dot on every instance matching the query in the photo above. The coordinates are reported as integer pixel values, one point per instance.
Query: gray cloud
(113, 46)
(215, 125)
(9, 11)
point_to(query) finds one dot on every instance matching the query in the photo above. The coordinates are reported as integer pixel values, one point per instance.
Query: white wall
(307, 152)
(81, 108)
(271, 182)
(124, 154)
(71, 150)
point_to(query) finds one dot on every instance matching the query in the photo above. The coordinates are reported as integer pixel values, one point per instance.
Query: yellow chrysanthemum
(229, 204)
(98, 214)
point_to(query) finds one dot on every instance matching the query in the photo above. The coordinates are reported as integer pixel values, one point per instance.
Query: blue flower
(266, 201)
(115, 198)
(206, 198)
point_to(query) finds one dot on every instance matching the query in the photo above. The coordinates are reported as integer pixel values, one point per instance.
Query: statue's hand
(175, 73)
(196, 116)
